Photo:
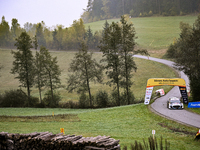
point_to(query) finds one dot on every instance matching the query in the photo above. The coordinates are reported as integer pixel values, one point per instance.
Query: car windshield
(175, 101)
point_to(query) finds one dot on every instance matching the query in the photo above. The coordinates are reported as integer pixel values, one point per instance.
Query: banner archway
(165, 81)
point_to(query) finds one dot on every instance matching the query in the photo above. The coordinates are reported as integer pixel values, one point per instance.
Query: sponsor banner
(166, 81)
(161, 91)
(184, 94)
(194, 105)
(148, 94)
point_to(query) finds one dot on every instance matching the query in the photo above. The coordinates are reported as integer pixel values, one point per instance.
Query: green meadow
(126, 123)
(154, 33)
(146, 69)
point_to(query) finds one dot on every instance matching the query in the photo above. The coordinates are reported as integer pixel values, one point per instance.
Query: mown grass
(154, 33)
(146, 69)
(126, 123)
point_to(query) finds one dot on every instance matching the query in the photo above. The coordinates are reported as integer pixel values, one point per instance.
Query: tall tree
(110, 46)
(186, 53)
(128, 44)
(23, 65)
(40, 76)
(40, 34)
(84, 70)
(89, 37)
(4, 33)
(51, 70)
(15, 28)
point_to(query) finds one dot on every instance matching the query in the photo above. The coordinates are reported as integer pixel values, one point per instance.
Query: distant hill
(106, 9)
(153, 32)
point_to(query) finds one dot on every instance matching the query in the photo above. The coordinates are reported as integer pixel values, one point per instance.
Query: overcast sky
(52, 12)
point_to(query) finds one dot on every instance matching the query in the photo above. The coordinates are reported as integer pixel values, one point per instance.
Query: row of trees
(186, 53)
(106, 9)
(58, 38)
(41, 70)
(117, 46)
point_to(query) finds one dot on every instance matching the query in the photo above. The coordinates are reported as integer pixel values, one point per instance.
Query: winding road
(160, 104)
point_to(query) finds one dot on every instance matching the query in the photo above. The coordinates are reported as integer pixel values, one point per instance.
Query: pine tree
(186, 54)
(51, 70)
(84, 70)
(110, 46)
(128, 44)
(23, 65)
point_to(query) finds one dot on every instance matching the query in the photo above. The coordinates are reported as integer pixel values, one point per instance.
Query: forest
(106, 9)
(61, 38)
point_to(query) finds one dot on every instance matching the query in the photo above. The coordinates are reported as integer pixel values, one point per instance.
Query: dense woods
(59, 38)
(106, 9)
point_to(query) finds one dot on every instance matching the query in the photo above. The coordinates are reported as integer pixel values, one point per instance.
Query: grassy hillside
(146, 69)
(126, 123)
(154, 33)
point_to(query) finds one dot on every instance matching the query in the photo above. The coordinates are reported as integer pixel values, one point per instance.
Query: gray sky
(52, 12)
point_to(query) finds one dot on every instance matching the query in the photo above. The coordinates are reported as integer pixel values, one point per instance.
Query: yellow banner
(166, 81)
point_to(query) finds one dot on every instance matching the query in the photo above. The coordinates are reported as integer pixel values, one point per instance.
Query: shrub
(124, 98)
(69, 104)
(145, 14)
(165, 14)
(51, 102)
(102, 99)
(182, 13)
(34, 101)
(84, 101)
(16, 98)
(133, 13)
(150, 13)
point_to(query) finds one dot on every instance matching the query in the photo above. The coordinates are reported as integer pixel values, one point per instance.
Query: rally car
(174, 103)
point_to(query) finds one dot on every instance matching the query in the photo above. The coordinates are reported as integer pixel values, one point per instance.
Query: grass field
(126, 123)
(146, 70)
(154, 33)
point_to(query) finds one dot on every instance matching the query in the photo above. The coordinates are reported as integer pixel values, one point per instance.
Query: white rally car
(174, 103)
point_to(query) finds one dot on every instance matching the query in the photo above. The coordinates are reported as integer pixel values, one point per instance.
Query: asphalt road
(160, 104)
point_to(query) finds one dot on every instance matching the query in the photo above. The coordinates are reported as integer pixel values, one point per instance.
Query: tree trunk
(28, 85)
(40, 92)
(88, 84)
(127, 85)
(51, 86)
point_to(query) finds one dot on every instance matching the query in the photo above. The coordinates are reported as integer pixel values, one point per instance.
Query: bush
(84, 101)
(34, 101)
(113, 98)
(124, 98)
(13, 98)
(69, 104)
(16, 98)
(165, 14)
(150, 13)
(51, 102)
(102, 99)
(133, 13)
